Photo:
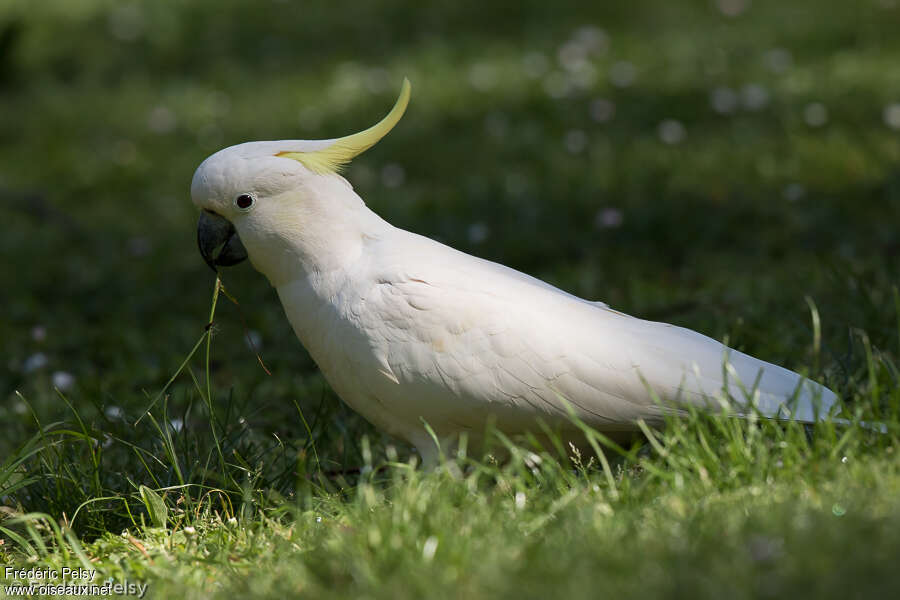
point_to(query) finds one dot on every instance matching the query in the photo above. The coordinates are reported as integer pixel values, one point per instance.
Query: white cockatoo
(409, 331)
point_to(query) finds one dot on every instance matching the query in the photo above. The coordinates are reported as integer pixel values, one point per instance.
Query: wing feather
(470, 338)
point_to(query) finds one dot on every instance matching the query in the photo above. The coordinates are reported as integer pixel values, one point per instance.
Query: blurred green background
(708, 163)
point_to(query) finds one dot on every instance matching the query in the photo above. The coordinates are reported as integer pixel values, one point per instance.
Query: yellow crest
(342, 150)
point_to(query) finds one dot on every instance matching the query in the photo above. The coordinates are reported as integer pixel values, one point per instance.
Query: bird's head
(273, 200)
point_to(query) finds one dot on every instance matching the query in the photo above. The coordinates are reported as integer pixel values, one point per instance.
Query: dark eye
(244, 201)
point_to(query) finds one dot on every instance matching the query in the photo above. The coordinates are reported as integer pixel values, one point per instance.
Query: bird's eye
(244, 201)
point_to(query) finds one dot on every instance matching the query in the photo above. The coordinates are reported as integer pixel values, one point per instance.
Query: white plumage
(406, 329)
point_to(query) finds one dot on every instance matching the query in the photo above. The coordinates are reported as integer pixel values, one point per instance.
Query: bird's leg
(434, 450)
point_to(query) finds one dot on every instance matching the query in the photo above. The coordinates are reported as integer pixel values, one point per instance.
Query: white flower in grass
(602, 110)
(535, 64)
(63, 381)
(892, 115)
(429, 548)
(576, 141)
(779, 60)
(609, 217)
(393, 175)
(113, 412)
(724, 100)
(482, 76)
(478, 232)
(754, 96)
(377, 80)
(139, 246)
(557, 85)
(732, 8)
(672, 132)
(36, 361)
(793, 192)
(161, 120)
(815, 114)
(572, 56)
(622, 74)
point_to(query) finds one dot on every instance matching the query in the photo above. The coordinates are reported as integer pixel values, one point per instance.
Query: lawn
(728, 166)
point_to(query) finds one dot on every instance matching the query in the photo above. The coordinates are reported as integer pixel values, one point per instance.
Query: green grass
(757, 227)
(710, 506)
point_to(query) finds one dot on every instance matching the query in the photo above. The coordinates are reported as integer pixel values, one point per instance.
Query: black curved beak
(218, 241)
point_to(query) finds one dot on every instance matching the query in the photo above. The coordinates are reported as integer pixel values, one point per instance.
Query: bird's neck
(314, 234)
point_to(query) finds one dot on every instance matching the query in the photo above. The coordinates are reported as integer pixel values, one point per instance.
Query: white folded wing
(460, 339)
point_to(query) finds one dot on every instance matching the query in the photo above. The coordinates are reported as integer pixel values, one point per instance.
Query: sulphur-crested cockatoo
(409, 331)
